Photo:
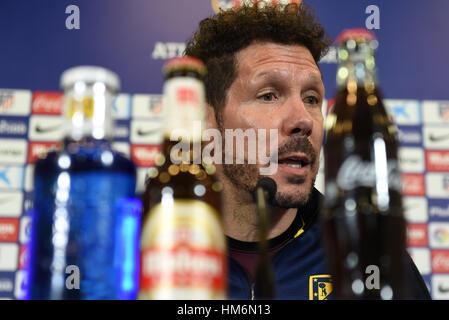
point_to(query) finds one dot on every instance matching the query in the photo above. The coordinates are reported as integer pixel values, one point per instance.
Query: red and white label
(40, 149)
(437, 160)
(182, 266)
(417, 235)
(9, 229)
(45, 102)
(143, 155)
(413, 184)
(440, 261)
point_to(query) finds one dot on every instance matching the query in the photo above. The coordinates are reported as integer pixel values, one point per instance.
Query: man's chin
(296, 196)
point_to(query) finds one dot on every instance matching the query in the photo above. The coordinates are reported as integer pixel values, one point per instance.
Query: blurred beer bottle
(363, 223)
(86, 218)
(182, 244)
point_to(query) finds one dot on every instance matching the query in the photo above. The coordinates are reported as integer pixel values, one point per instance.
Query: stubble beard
(245, 176)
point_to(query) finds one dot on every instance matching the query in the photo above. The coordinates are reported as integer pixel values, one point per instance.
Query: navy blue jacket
(300, 268)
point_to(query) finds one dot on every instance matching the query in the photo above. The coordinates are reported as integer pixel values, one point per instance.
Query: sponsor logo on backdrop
(411, 159)
(417, 235)
(9, 229)
(440, 287)
(122, 147)
(46, 102)
(11, 203)
(436, 137)
(146, 105)
(15, 102)
(141, 176)
(437, 160)
(144, 156)
(11, 177)
(421, 257)
(440, 261)
(6, 283)
(167, 50)
(439, 234)
(13, 151)
(13, 127)
(9, 256)
(435, 111)
(437, 185)
(25, 229)
(415, 209)
(46, 128)
(404, 112)
(146, 132)
(121, 106)
(439, 208)
(40, 149)
(413, 184)
(410, 136)
(23, 256)
(21, 284)
(121, 130)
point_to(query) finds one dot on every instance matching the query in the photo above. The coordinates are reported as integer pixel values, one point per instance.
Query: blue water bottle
(86, 218)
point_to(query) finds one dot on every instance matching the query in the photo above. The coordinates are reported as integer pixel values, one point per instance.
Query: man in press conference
(263, 74)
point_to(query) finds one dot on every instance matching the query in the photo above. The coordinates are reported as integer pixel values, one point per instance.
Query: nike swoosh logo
(435, 138)
(442, 289)
(142, 132)
(40, 129)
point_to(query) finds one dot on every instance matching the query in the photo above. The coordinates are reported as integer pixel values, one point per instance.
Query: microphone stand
(264, 276)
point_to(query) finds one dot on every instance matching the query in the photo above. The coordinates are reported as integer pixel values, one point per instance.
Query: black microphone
(264, 287)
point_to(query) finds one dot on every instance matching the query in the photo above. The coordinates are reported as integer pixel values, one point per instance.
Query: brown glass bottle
(363, 223)
(182, 243)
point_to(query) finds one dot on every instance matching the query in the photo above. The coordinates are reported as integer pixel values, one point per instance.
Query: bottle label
(183, 252)
(183, 105)
(355, 172)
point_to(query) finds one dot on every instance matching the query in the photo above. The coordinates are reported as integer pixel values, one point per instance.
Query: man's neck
(240, 217)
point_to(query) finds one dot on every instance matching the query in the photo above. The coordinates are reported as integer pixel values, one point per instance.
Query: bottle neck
(184, 109)
(356, 69)
(88, 110)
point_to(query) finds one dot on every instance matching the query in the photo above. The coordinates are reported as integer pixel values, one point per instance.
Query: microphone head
(269, 185)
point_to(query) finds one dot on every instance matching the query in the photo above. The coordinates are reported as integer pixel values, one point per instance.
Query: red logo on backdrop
(440, 261)
(9, 229)
(144, 155)
(417, 235)
(187, 96)
(39, 149)
(437, 160)
(413, 184)
(23, 256)
(47, 103)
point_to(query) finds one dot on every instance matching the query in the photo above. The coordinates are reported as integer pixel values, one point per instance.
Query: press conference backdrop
(135, 37)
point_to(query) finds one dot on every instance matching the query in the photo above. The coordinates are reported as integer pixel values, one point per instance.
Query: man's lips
(296, 164)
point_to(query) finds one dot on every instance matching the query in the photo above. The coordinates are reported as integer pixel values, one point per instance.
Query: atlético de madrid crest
(320, 287)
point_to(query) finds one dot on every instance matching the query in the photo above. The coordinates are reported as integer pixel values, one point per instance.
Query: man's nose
(297, 119)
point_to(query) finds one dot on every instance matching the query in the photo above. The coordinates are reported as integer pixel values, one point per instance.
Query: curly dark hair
(221, 36)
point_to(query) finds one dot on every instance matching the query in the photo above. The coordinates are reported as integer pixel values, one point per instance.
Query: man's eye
(268, 97)
(311, 100)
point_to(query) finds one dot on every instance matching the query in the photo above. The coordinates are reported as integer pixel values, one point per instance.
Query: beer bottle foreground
(86, 219)
(363, 223)
(182, 243)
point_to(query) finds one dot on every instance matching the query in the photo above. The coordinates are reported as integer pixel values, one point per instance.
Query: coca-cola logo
(440, 261)
(355, 172)
(47, 103)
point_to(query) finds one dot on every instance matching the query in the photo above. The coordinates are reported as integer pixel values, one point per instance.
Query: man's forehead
(263, 55)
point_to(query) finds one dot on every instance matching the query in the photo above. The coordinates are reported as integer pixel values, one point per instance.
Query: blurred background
(135, 37)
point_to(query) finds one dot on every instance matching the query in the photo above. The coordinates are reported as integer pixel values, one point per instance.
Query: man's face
(278, 87)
